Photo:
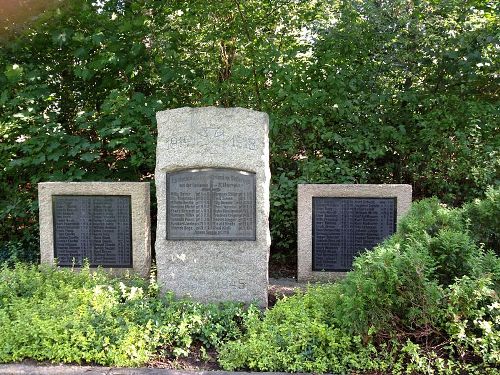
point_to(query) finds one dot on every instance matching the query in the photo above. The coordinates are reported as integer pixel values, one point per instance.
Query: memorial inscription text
(97, 228)
(211, 204)
(218, 140)
(344, 227)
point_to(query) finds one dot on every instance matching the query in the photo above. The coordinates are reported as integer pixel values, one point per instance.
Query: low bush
(425, 301)
(389, 290)
(65, 316)
(297, 335)
(484, 219)
(472, 321)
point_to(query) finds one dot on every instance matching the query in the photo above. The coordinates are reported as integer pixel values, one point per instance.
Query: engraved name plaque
(93, 227)
(211, 204)
(344, 227)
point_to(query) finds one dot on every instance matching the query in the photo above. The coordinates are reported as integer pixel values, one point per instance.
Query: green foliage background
(358, 91)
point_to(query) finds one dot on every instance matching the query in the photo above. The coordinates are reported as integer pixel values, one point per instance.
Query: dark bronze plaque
(93, 227)
(344, 227)
(211, 204)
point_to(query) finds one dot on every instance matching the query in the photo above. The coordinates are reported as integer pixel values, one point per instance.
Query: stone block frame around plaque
(402, 194)
(135, 194)
(211, 204)
(220, 138)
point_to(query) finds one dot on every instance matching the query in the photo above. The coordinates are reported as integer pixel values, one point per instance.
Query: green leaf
(13, 73)
(89, 156)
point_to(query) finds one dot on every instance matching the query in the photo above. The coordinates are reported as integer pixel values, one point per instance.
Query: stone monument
(104, 223)
(212, 184)
(337, 222)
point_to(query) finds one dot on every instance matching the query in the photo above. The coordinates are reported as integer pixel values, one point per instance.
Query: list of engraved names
(211, 204)
(97, 228)
(344, 227)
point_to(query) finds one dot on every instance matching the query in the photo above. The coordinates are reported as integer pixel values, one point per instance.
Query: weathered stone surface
(48, 193)
(214, 269)
(306, 193)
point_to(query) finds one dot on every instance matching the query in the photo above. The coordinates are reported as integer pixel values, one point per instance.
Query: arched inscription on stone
(97, 228)
(344, 227)
(211, 204)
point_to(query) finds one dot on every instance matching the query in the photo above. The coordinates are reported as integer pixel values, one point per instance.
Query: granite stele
(106, 224)
(337, 222)
(212, 185)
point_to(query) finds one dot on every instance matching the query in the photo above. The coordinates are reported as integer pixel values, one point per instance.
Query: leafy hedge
(425, 301)
(86, 317)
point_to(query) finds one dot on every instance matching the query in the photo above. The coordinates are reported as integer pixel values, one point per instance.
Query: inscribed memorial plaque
(212, 186)
(211, 204)
(344, 227)
(97, 228)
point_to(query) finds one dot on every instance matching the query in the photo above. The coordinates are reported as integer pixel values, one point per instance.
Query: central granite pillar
(212, 180)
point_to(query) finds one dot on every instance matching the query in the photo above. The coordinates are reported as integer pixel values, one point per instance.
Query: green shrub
(425, 301)
(425, 219)
(483, 216)
(472, 320)
(488, 265)
(456, 246)
(65, 316)
(283, 218)
(454, 253)
(390, 290)
(296, 336)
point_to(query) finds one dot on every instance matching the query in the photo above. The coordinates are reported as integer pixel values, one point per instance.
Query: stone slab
(306, 192)
(58, 201)
(198, 139)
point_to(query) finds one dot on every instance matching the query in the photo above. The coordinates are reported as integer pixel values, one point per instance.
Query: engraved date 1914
(216, 139)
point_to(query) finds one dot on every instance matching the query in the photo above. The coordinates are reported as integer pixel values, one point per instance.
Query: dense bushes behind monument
(356, 94)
